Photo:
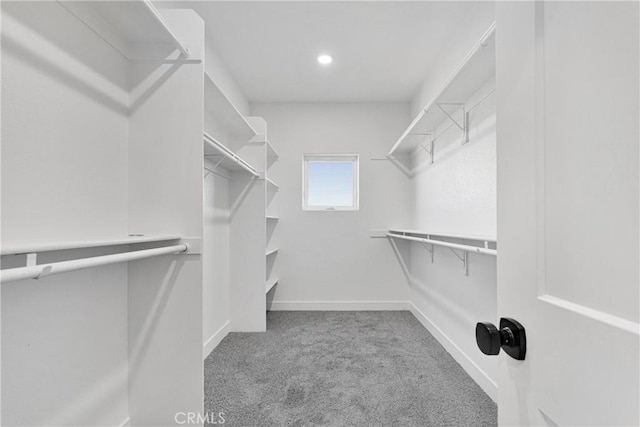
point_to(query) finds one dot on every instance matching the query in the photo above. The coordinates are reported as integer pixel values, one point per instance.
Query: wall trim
(474, 371)
(215, 339)
(126, 422)
(339, 305)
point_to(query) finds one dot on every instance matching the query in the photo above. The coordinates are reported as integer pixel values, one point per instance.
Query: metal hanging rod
(42, 270)
(466, 248)
(218, 146)
(454, 247)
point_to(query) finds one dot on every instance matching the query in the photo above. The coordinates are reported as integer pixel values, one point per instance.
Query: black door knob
(511, 338)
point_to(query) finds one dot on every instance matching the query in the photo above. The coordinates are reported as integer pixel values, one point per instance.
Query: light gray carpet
(341, 369)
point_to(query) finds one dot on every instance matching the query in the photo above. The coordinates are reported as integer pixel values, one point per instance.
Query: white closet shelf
(477, 68)
(272, 218)
(24, 247)
(272, 252)
(226, 116)
(134, 28)
(227, 158)
(272, 184)
(271, 283)
(271, 152)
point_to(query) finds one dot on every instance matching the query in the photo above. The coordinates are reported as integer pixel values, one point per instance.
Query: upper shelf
(471, 74)
(134, 28)
(23, 247)
(228, 120)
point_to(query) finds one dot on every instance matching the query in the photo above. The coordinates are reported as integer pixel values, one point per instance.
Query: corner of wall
(479, 376)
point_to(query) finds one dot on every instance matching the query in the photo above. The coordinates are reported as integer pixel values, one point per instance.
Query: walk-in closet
(341, 213)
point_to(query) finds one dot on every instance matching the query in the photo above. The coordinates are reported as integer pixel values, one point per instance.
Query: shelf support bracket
(218, 164)
(464, 258)
(32, 259)
(429, 248)
(464, 126)
(430, 149)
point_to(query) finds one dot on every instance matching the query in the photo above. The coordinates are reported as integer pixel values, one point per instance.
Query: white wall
(330, 256)
(215, 253)
(457, 195)
(64, 352)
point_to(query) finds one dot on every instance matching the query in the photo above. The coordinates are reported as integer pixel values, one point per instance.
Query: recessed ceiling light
(325, 59)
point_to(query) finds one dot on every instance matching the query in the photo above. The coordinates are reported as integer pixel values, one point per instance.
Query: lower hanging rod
(466, 248)
(42, 270)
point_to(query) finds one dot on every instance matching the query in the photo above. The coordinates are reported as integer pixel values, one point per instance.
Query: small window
(330, 182)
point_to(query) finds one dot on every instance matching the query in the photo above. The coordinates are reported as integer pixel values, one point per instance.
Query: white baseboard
(339, 305)
(126, 422)
(215, 339)
(474, 371)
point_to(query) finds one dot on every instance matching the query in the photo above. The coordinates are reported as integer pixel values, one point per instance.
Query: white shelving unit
(477, 68)
(134, 28)
(270, 206)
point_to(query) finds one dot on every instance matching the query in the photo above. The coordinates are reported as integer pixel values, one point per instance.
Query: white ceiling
(382, 50)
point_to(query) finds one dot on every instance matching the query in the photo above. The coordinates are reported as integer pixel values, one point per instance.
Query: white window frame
(354, 158)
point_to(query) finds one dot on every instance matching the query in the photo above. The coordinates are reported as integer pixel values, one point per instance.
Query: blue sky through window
(330, 183)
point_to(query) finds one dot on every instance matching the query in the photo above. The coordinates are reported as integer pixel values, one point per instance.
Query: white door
(568, 196)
